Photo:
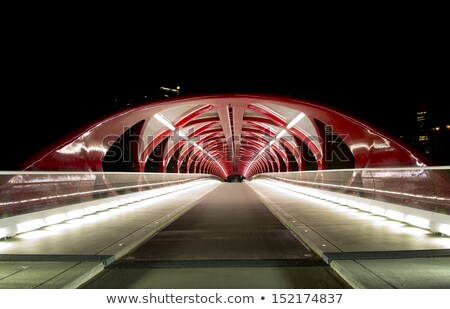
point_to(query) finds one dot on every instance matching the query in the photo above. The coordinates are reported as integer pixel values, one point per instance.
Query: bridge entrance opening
(234, 178)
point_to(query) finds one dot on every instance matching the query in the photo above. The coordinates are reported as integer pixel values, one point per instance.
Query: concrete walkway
(230, 239)
(66, 255)
(368, 251)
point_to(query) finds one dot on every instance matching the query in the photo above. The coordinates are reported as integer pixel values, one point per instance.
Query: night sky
(53, 89)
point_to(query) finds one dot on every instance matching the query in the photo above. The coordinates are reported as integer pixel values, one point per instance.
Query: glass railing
(27, 192)
(426, 188)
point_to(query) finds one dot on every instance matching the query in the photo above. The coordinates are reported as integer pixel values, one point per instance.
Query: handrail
(25, 192)
(426, 188)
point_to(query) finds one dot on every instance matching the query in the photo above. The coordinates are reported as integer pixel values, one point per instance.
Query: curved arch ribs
(222, 140)
(227, 135)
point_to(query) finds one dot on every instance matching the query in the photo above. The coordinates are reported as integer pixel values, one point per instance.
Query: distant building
(433, 134)
(166, 92)
(422, 127)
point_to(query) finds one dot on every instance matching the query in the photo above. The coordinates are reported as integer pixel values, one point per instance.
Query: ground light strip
(374, 209)
(53, 219)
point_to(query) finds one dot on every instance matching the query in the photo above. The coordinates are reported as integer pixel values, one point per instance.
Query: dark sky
(54, 84)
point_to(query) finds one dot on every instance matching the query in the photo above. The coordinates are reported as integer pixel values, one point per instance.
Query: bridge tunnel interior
(226, 135)
(233, 137)
(232, 141)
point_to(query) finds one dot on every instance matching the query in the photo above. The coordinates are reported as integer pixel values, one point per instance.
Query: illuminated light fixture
(78, 213)
(395, 215)
(437, 128)
(132, 200)
(209, 155)
(352, 203)
(89, 210)
(114, 204)
(35, 224)
(377, 210)
(164, 121)
(279, 135)
(248, 166)
(418, 221)
(103, 206)
(334, 199)
(342, 201)
(295, 120)
(55, 219)
(448, 126)
(30, 225)
(443, 228)
(3, 233)
(182, 135)
(170, 90)
(223, 170)
(326, 197)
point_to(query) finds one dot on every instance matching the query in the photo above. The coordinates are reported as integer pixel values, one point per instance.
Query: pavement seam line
(153, 232)
(269, 204)
(311, 228)
(57, 275)
(13, 273)
(177, 213)
(353, 276)
(136, 244)
(374, 273)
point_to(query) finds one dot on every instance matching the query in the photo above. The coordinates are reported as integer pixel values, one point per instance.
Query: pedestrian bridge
(226, 191)
(317, 229)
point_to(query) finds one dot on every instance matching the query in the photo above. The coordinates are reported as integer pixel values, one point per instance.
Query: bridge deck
(230, 239)
(226, 237)
(230, 223)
